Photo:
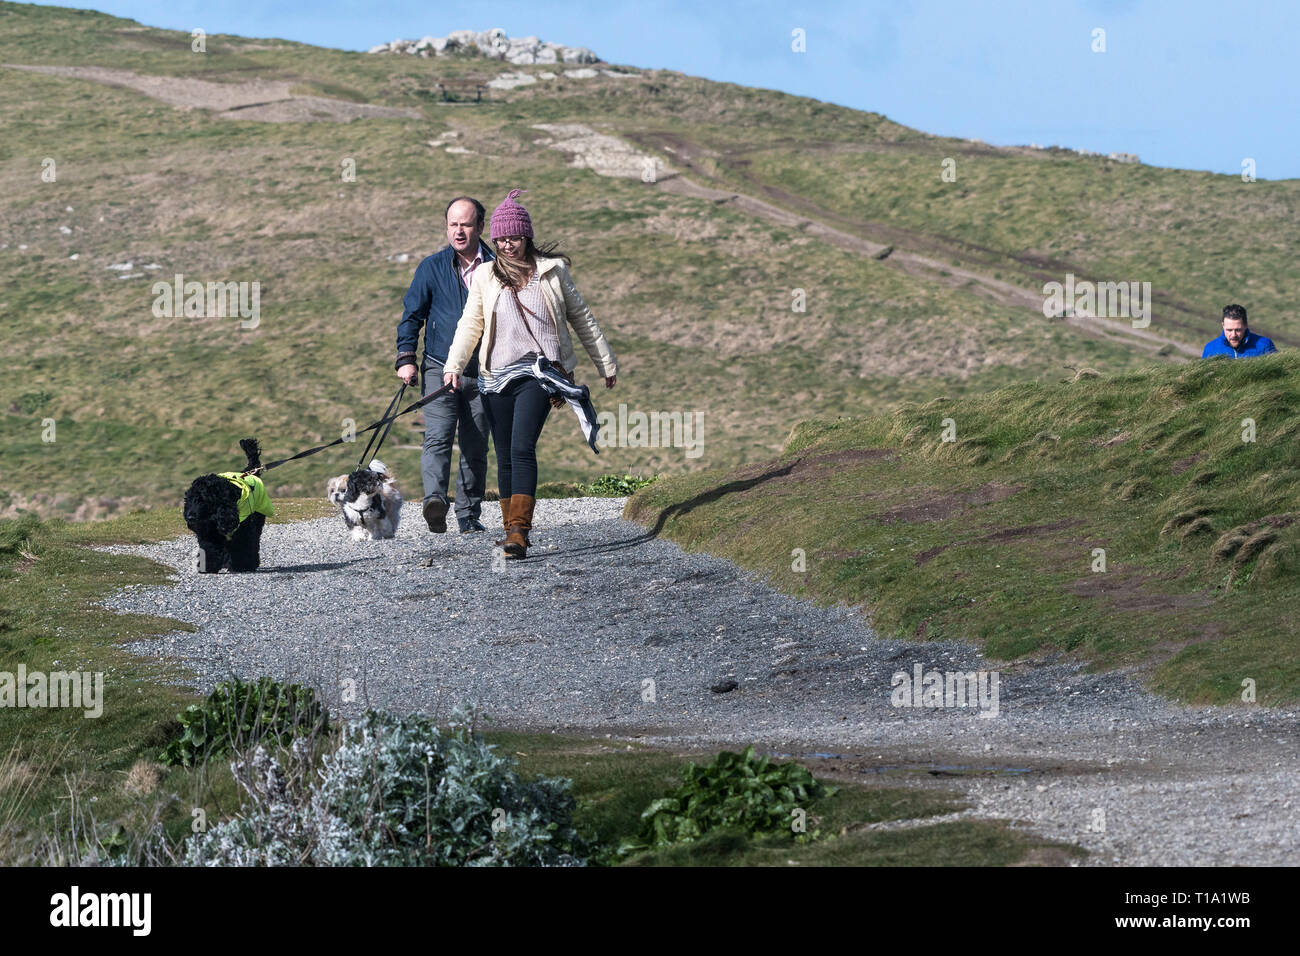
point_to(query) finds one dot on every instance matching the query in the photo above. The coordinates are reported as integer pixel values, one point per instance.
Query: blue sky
(1197, 84)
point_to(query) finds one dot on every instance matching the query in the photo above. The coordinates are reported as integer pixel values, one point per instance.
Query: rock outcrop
(491, 43)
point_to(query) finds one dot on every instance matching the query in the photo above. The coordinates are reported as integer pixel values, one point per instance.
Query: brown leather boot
(521, 522)
(505, 520)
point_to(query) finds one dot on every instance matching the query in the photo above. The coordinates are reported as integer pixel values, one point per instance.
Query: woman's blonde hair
(515, 276)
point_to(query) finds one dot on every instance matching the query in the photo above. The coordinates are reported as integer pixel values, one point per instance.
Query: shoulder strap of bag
(524, 308)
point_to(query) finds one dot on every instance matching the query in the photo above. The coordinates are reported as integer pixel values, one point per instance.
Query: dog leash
(387, 420)
(367, 454)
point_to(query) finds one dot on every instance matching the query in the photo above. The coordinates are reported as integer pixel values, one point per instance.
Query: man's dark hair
(478, 207)
(1235, 311)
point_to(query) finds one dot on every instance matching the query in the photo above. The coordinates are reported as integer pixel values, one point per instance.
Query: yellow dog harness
(252, 494)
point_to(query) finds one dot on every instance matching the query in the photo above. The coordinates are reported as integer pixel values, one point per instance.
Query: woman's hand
(452, 379)
(610, 380)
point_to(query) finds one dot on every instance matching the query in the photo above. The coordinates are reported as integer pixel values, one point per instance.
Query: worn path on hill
(921, 254)
(568, 640)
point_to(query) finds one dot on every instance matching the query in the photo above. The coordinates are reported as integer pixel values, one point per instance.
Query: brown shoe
(521, 522)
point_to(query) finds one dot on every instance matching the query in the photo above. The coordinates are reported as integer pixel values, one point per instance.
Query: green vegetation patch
(616, 782)
(239, 714)
(616, 486)
(736, 790)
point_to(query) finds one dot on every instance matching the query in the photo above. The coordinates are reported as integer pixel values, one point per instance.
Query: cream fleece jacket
(477, 321)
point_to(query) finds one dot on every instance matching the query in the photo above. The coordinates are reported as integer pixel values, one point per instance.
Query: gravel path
(572, 638)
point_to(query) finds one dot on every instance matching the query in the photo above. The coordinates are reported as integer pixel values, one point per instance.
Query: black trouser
(516, 415)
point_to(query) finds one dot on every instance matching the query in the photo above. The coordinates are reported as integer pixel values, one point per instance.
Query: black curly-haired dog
(226, 512)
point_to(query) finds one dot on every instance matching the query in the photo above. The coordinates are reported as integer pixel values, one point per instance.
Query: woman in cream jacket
(519, 307)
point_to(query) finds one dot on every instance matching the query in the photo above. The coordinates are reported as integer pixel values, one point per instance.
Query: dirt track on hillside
(921, 254)
(268, 101)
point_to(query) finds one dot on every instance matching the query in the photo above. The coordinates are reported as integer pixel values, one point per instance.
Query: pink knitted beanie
(510, 218)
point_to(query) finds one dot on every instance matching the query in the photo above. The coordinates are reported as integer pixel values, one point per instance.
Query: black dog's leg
(212, 557)
(246, 544)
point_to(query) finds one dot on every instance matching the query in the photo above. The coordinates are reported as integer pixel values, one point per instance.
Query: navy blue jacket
(1251, 344)
(435, 300)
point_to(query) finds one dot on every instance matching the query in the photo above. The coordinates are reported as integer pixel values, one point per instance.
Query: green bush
(739, 791)
(397, 792)
(237, 715)
(405, 793)
(616, 486)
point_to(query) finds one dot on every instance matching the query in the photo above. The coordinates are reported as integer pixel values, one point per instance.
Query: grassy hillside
(695, 295)
(1203, 240)
(997, 535)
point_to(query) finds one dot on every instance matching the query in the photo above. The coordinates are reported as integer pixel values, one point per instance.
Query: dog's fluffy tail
(254, 452)
(378, 467)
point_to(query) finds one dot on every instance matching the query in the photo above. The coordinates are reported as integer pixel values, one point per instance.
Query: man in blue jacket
(435, 300)
(1237, 340)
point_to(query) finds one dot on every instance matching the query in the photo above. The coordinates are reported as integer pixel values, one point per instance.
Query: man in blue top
(1237, 340)
(435, 300)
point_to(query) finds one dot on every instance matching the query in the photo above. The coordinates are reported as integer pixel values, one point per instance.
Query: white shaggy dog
(369, 501)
